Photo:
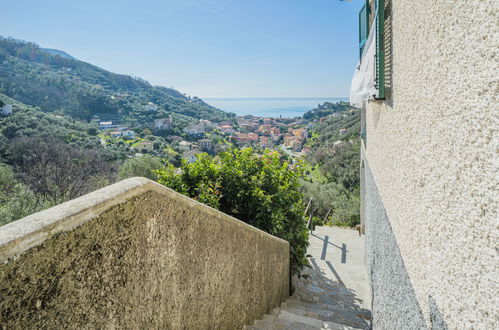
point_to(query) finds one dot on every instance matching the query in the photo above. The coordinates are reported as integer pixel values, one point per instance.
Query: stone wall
(138, 255)
(433, 153)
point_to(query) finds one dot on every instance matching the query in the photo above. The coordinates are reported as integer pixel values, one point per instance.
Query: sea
(270, 107)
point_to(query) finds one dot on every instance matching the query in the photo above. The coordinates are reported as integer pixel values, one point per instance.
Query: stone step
(336, 326)
(298, 318)
(337, 316)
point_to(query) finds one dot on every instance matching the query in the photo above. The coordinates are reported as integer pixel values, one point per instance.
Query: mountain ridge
(60, 53)
(82, 90)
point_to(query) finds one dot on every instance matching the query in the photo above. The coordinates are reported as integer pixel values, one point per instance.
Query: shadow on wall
(394, 303)
(436, 318)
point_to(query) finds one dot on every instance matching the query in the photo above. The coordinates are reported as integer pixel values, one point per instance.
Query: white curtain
(364, 79)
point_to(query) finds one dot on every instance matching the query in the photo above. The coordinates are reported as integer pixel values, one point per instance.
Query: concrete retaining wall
(138, 255)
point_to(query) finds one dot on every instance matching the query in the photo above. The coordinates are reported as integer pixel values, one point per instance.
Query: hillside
(66, 86)
(326, 109)
(334, 182)
(59, 53)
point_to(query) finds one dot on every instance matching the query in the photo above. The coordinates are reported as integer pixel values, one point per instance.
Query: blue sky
(205, 48)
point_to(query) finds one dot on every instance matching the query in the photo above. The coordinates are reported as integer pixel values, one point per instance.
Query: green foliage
(326, 109)
(28, 122)
(16, 199)
(143, 166)
(57, 172)
(71, 87)
(259, 189)
(334, 183)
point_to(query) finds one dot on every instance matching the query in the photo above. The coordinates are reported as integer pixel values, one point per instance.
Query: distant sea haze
(270, 107)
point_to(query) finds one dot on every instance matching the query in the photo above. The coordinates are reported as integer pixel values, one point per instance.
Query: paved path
(336, 294)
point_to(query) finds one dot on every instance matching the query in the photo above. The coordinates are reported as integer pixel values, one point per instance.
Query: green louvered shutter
(363, 27)
(380, 48)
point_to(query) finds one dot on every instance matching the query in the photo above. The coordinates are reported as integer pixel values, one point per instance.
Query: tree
(259, 189)
(16, 199)
(143, 166)
(58, 172)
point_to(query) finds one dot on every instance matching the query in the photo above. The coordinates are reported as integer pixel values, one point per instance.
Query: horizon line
(275, 98)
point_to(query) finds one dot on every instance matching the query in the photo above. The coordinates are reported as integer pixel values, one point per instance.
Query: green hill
(66, 86)
(59, 53)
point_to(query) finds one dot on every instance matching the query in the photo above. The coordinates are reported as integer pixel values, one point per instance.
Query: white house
(105, 124)
(194, 130)
(185, 146)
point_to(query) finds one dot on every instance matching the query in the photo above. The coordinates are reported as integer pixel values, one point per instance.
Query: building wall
(432, 149)
(137, 255)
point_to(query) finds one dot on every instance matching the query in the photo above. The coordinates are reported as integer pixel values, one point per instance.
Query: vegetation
(334, 183)
(66, 86)
(16, 199)
(144, 166)
(259, 189)
(46, 172)
(326, 109)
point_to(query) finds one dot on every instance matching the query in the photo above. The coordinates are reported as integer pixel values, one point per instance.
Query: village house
(265, 129)
(205, 123)
(195, 130)
(105, 125)
(185, 146)
(246, 137)
(205, 144)
(190, 156)
(293, 142)
(275, 131)
(299, 132)
(163, 123)
(224, 123)
(250, 127)
(275, 137)
(227, 129)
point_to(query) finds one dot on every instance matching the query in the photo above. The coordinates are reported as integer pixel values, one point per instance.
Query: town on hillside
(289, 135)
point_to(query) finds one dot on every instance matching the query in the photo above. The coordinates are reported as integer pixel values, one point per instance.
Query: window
(382, 21)
(363, 27)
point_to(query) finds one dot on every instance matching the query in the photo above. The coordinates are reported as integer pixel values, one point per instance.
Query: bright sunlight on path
(336, 295)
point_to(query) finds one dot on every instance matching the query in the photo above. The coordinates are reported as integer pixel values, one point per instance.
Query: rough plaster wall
(152, 262)
(433, 151)
(394, 304)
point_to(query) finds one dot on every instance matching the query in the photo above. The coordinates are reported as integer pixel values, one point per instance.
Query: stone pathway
(336, 295)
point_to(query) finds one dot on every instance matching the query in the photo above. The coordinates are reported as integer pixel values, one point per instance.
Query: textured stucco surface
(433, 152)
(394, 304)
(144, 257)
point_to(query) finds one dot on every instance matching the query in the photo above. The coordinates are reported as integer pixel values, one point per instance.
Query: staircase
(335, 294)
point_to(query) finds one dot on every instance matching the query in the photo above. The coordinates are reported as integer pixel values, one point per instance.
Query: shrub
(259, 189)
